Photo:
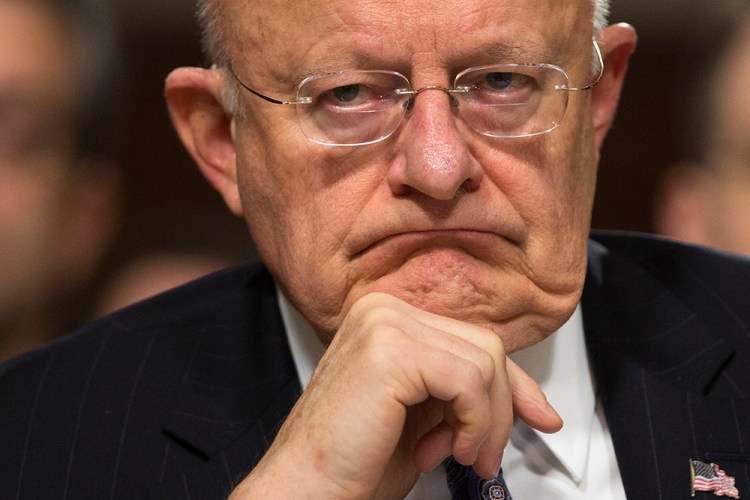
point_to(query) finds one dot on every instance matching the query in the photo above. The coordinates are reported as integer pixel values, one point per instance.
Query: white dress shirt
(576, 463)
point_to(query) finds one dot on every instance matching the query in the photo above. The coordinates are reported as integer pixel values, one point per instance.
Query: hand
(398, 390)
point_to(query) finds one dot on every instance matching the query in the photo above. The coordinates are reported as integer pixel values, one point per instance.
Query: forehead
(332, 32)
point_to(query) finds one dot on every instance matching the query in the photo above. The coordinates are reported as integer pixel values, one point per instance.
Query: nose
(436, 160)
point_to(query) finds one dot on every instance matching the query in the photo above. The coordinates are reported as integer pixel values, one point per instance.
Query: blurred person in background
(708, 201)
(59, 203)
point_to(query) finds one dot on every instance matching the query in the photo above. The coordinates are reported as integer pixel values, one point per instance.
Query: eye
(355, 96)
(499, 81)
(347, 93)
(507, 81)
(500, 85)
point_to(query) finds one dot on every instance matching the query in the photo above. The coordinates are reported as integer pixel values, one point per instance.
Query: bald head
(214, 29)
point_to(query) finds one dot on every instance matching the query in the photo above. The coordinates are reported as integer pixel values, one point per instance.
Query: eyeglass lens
(362, 107)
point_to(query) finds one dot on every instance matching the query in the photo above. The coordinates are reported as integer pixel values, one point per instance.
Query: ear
(195, 100)
(617, 43)
(682, 210)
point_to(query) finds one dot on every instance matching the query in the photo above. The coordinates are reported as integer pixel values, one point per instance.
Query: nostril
(469, 186)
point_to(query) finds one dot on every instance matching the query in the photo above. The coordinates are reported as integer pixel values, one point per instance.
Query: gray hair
(601, 15)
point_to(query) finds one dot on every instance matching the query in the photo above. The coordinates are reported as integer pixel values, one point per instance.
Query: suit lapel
(240, 386)
(630, 311)
(664, 373)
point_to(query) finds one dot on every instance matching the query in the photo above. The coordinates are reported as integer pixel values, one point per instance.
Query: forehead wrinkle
(265, 36)
(265, 39)
(517, 52)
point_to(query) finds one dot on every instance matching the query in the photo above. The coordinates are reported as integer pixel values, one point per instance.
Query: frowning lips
(477, 238)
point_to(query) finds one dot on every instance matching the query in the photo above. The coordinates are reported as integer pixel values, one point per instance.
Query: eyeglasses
(359, 107)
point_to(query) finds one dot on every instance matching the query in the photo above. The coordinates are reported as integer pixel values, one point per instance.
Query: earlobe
(195, 101)
(617, 43)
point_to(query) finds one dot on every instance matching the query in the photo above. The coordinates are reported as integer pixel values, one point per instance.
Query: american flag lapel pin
(710, 477)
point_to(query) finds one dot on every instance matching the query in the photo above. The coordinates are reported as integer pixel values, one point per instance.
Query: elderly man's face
(490, 231)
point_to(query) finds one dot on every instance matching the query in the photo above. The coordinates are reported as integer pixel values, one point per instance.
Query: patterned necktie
(465, 484)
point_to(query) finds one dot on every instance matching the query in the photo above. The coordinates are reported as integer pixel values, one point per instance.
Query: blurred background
(678, 44)
(167, 211)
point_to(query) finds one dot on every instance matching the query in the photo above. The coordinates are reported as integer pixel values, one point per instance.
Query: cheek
(549, 179)
(550, 182)
(299, 209)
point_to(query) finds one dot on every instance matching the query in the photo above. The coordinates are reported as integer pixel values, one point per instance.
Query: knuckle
(495, 346)
(474, 378)
(487, 367)
(372, 301)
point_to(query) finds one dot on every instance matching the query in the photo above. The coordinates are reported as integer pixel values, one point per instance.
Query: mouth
(476, 243)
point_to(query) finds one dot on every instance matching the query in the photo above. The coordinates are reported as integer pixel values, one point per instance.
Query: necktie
(465, 484)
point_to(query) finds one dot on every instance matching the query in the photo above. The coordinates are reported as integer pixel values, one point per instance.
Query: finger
(474, 344)
(490, 453)
(433, 447)
(481, 337)
(530, 403)
(460, 384)
(491, 359)
(466, 370)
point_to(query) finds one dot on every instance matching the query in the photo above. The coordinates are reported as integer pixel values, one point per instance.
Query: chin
(455, 285)
(452, 283)
(502, 300)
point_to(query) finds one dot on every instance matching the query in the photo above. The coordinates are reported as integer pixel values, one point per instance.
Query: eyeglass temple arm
(601, 72)
(258, 94)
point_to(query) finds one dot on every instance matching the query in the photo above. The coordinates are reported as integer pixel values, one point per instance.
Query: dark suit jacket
(178, 397)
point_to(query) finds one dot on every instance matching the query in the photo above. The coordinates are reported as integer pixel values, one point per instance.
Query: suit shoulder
(644, 248)
(161, 384)
(172, 321)
(682, 311)
(627, 271)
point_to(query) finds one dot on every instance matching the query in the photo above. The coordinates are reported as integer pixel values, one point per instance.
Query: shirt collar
(306, 347)
(560, 365)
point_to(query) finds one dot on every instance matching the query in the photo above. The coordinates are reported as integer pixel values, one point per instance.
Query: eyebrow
(515, 52)
(498, 52)
(338, 63)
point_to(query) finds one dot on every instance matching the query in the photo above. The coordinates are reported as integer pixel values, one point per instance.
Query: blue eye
(499, 81)
(347, 93)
